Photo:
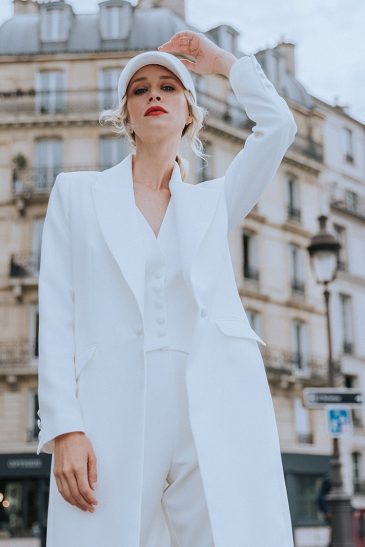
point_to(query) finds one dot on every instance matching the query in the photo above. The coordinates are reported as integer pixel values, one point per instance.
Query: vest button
(139, 331)
(161, 332)
(158, 274)
(203, 312)
(160, 320)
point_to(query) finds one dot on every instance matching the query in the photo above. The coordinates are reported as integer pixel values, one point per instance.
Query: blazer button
(39, 424)
(203, 312)
(139, 331)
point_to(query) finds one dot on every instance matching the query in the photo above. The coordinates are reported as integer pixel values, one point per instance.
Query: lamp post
(323, 252)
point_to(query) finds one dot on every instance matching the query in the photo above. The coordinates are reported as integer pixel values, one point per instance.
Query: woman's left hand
(208, 57)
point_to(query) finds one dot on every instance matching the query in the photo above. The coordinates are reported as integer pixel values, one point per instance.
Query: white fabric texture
(167, 298)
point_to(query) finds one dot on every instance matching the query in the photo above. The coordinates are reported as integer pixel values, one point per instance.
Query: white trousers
(174, 511)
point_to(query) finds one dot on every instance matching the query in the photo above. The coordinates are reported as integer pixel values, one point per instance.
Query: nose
(158, 98)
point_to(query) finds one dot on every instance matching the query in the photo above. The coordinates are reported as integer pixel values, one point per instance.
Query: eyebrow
(161, 77)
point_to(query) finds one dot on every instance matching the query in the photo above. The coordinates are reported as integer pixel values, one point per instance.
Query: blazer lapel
(115, 207)
(113, 195)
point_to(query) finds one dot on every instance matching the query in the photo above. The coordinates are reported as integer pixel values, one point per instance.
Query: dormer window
(54, 22)
(115, 19)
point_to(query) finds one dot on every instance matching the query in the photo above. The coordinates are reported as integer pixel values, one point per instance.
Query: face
(155, 85)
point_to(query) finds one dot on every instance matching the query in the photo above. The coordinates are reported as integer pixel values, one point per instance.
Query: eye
(140, 90)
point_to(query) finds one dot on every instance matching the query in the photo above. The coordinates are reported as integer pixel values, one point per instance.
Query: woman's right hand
(75, 469)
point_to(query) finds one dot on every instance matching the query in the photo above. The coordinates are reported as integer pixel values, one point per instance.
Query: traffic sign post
(322, 397)
(339, 421)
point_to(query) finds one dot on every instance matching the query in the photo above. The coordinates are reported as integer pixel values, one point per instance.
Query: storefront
(24, 490)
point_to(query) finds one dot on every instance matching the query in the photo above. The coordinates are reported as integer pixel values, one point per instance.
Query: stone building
(59, 70)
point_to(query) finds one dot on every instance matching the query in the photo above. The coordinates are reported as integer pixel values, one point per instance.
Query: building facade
(59, 71)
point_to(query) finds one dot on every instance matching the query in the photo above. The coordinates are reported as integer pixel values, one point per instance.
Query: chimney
(25, 6)
(287, 49)
(177, 6)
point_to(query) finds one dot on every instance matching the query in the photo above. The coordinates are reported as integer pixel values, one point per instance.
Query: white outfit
(94, 372)
(176, 515)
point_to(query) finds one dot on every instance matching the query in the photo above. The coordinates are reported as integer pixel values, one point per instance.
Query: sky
(329, 37)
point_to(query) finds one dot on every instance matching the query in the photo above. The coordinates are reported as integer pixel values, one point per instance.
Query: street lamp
(323, 251)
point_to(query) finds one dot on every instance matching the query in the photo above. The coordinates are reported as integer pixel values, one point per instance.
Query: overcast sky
(329, 38)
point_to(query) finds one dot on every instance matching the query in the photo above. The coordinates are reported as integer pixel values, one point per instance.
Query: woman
(154, 399)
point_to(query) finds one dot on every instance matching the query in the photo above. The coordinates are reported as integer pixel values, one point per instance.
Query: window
(293, 199)
(358, 473)
(342, 255)
(37, 229)
(346, 323)
(53, 24)
(50, 91)
(352, 202)
(115, 20)
(112, 151)
(349, 156)
(302, 422)
(299, 348)
(297, 268)
(48, 162)
(32, 416)
(109, 87)
(306, 507)
(250, 257)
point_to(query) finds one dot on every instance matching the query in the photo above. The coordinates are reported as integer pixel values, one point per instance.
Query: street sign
(321, 397)
(339, 421)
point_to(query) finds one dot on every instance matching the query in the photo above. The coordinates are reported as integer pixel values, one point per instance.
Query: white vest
(169, 307)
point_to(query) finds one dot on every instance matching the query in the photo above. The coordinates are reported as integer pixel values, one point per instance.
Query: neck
(153, 166)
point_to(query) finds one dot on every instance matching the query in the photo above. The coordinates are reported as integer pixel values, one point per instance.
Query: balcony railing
(359, 487)
(297, 286)
(293, 212)
(250, 272)
(16, 355)
(58, 103)
(308, 147)
(354, 207)
(32, 433)
(24, 265)
(39, 180)
(280, 363)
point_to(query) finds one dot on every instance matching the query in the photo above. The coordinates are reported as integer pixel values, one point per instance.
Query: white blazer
(91, 358)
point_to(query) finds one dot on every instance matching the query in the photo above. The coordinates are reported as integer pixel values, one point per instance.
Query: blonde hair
(118, 117)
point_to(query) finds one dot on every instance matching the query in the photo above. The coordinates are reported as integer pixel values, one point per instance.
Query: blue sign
(339, 421)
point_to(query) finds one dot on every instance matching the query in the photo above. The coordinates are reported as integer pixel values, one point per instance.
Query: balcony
(250, 272)
(297, 287)
(307, 369)
(348, 347)
(359, 487)
(32, 433)
(294, 213)
(24, 265)
(17, 358)
(308, 148)
(355, 207)
(19, 107)
(35, 184)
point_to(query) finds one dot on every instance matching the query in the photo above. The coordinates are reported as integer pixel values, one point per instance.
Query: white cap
(163, 58)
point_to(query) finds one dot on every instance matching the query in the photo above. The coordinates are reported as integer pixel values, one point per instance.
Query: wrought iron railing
(24, 264)
(16, 354)
(304, 366)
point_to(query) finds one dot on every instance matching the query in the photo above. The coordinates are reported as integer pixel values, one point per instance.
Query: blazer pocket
(82, 357)
(236, 327)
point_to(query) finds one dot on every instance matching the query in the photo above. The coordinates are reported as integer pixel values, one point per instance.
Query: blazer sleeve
(255, 166)
(59, 408)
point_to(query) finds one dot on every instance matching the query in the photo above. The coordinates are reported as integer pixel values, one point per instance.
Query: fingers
(79, 491)
(189, 64)
(65, 491)
(74, 488)
(92, 475)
